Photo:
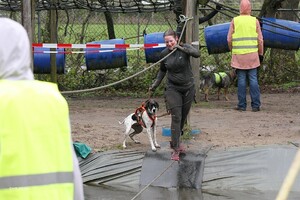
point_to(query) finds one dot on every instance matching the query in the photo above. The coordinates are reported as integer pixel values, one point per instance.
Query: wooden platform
(188, 172)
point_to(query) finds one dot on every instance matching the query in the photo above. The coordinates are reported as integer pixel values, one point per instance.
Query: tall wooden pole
(53, 39)
(33, 20)
(192, 37)
(26, 20)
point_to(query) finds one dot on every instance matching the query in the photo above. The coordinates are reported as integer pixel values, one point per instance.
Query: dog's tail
(122, 122)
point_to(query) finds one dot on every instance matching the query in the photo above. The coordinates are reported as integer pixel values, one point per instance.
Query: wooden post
(32, 21)
(26, 21)
(53, 39)
(192, 35)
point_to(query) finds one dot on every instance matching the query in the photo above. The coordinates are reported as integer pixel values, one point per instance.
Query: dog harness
(139, 112)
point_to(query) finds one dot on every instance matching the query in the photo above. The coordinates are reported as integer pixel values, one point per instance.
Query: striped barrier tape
(88, 51)
(87, 46)
(92, 47)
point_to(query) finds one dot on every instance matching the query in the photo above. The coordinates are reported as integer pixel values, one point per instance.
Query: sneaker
(181, 148)
(255, 109)
(240, 109)
(175, 155)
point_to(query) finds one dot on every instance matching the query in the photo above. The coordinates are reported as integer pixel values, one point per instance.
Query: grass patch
(187, 133)
(290, 85)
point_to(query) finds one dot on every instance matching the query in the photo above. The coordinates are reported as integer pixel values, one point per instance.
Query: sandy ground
(94, 122)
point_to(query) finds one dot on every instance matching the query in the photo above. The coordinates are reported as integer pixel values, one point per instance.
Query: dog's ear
(146, 103)
(134, 118)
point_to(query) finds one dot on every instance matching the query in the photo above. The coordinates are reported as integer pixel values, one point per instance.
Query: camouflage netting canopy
(118, 6)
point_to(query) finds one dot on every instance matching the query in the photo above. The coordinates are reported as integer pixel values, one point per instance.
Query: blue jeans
(242, 75)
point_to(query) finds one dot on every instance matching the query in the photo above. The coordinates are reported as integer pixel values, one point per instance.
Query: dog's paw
(157, 146)
(154, 149)
(137, 142)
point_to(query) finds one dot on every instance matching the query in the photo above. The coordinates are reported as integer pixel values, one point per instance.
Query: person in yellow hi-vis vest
(37, 159)
(245, 40)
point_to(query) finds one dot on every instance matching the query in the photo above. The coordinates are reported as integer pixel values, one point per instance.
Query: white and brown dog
(143, 117)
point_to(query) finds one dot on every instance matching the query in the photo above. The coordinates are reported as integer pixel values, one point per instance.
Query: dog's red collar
(138, 113)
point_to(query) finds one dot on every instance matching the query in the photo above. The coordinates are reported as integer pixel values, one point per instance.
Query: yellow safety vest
(244, 38)
(35, 150)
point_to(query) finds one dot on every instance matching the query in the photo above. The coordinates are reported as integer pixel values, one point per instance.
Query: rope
(120, 81)
(183, 29)
(140, 192)
(164, 114)
(132, 76)
(290, 178)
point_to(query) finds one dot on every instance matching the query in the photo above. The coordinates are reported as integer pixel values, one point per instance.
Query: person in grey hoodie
(180, 88)
(37, 159)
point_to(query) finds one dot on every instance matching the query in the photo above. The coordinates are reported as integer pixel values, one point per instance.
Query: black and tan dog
(218, 80)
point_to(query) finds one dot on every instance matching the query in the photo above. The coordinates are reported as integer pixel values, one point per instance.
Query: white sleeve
(78, 185)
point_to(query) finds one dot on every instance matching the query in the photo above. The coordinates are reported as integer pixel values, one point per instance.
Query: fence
(81, 26)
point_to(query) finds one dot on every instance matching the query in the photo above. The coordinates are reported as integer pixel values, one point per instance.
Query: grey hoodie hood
(15, 55)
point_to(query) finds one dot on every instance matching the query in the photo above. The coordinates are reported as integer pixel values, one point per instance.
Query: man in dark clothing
(180, 88)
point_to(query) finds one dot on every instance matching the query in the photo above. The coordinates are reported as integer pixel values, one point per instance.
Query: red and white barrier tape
(90, 48)
(87, 46)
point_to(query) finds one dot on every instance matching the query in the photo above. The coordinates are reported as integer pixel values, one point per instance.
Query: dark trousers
(178, 104)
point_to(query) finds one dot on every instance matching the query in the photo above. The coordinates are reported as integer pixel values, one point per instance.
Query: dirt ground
(94, 121)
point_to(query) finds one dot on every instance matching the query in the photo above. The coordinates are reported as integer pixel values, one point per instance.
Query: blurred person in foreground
(180, 88)
(245, 40)
(37, 159)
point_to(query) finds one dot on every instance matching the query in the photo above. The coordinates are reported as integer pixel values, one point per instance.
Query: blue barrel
(216, 38)
(42, 63)
(281, 34)
(153, 54)
(113, 58)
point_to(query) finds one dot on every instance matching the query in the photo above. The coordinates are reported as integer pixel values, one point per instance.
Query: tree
(282, 66)
(109, 21)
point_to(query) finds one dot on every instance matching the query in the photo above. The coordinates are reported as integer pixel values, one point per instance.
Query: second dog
(219, 80)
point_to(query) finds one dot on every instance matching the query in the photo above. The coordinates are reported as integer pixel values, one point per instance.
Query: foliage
(187, 132)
